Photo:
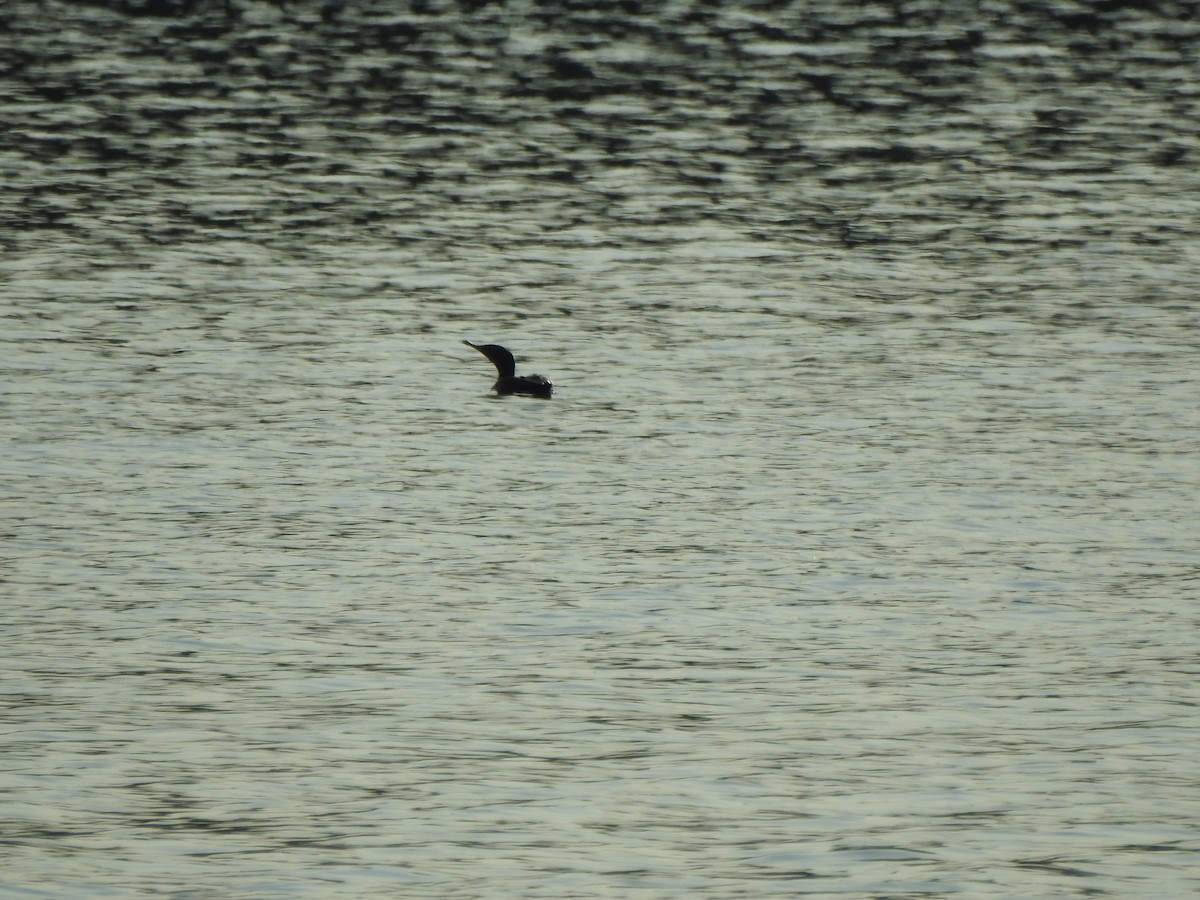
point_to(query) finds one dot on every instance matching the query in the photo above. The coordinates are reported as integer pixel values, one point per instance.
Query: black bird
(509, 381)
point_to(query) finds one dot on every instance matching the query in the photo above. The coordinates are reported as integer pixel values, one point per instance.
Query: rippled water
(854, 556)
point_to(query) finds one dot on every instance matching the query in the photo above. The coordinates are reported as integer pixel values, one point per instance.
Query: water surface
(855, 555)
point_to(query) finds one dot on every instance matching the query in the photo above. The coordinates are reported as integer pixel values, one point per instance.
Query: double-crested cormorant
(509, 381)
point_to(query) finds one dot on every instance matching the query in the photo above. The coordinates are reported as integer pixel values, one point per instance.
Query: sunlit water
(855, 555)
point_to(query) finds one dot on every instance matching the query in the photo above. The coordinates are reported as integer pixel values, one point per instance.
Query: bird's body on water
(509, 381)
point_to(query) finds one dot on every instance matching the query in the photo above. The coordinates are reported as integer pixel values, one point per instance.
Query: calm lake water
(856, 554)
